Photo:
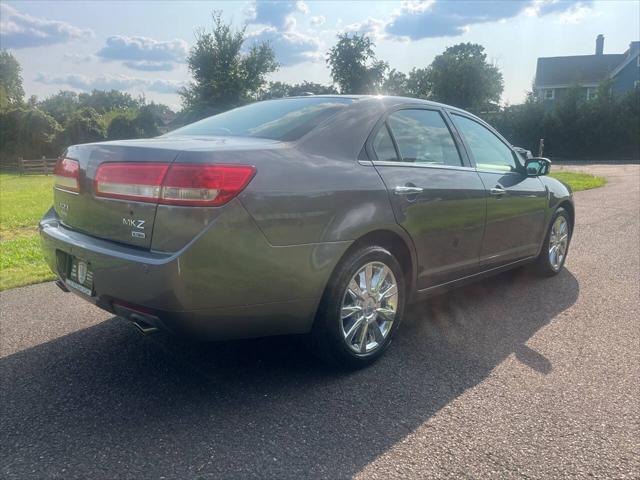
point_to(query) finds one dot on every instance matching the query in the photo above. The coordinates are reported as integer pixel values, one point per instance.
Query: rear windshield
(286, 119)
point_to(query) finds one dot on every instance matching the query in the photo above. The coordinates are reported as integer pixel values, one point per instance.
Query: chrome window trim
(466, 162)
(383, 163)
(501, 172)
(60, 189)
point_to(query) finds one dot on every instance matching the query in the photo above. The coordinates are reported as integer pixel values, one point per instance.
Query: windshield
(286, 119)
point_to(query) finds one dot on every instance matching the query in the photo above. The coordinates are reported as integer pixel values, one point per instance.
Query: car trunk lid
(128, 220)
(125, 221)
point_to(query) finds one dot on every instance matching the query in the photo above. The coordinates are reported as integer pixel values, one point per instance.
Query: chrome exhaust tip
(60, 284)
(144, 327)
(145, 322)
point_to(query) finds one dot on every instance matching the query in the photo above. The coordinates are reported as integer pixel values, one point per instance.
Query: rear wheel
(556, 245)
(361, 309)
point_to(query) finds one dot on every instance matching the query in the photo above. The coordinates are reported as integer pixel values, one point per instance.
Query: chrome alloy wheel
(558, 242)
(369, 307)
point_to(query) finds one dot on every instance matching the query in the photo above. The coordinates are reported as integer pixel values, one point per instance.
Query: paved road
(512, 377)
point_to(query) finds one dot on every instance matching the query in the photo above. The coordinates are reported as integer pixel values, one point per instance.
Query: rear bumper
(228, 282)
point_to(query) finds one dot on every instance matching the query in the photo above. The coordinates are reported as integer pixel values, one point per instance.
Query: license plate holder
(80, 276)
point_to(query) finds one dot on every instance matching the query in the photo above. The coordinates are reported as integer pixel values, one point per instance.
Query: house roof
(631, 54)
(579, 69)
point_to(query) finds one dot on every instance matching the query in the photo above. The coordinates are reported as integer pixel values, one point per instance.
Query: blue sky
(141, 46)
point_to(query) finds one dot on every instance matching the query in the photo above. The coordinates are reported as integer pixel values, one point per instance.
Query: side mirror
(537, 166)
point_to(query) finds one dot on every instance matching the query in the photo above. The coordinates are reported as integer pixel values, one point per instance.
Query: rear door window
(423, 137)
(383, 146)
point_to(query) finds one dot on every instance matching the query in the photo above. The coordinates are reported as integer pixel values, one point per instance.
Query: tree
(147, 122)
(275, 90)
(223, 76)
(607, 126)
(11, 91)
(281, 89)
(415, 84)
(28, 133)
(305, 88)
(354, 66)
(84, 126)
(103, 101)
(122, 127)
(418, 83)
(395, 84)
(461, 76)
(61, 105)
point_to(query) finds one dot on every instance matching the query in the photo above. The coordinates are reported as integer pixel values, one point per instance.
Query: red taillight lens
(130, 181)
(204, 184)
(178, 184)
(67, 175)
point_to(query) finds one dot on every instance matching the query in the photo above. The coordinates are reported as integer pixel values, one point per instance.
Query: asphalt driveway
(515, 376)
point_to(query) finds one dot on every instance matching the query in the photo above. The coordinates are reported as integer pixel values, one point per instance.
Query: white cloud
(319, 20)
(278, 14)
(109, 82)
(18, 30)
(371, 27)
(77, 58)
(143, 53)
(575, 15)
(418, 19)
(290, 47)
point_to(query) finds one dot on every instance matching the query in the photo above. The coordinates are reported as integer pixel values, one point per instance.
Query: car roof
(391, 101)
(388, 100)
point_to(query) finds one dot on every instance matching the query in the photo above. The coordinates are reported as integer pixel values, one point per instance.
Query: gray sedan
(318, 215)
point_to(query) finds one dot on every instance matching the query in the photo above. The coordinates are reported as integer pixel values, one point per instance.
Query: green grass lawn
(23, 201)
(579, 181)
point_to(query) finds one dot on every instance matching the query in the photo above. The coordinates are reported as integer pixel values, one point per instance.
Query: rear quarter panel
(317, 190)
(299, 198)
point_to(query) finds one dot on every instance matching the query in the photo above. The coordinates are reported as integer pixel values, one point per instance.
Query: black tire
(543, 265)
(327, 335)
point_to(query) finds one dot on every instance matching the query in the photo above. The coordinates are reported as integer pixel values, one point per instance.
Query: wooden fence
(23, 166)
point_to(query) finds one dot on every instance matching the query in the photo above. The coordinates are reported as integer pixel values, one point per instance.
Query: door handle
(405, 190)
(497, 191)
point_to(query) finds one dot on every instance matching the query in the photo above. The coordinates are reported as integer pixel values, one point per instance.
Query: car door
(516, 203)
(435, 193)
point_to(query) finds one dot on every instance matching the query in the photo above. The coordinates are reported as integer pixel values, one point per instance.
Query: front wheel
(556, 245)
(361, 309)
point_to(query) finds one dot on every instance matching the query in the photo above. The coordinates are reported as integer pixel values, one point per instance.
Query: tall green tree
(223, 76)
(84, 126)
(60, 105)
(281, 89)
(415, 84)
(27, 133)
(354, 66)
(148, 121)
(461, 76)
(418, 83)
(305, 88)
(122, 127)
(395, 83)
(11, 91)
(103, 101)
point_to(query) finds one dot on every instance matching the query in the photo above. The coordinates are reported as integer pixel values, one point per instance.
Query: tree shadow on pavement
(108, 402)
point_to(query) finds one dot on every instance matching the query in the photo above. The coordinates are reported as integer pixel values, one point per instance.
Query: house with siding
(555, 75)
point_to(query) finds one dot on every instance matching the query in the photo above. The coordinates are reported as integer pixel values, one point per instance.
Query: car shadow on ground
(108, 402)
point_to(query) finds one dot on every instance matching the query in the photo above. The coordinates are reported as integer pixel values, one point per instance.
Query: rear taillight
(178, 184)
(130, 181)
(204, 184)
(66, 175)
